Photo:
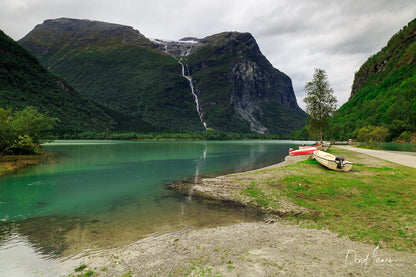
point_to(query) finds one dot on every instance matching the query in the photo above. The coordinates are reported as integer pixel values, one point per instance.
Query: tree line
(22, 132)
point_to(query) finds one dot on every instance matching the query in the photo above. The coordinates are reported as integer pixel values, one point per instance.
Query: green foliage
(372, 134)
(80, 268)
(21, 132)
(88, 273)
(320, 103)
(168, 136)
(384, 91)
(300, 134)
(407, 136)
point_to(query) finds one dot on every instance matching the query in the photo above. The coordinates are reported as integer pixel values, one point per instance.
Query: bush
(406, 136)
(21, 132)
(372, 135)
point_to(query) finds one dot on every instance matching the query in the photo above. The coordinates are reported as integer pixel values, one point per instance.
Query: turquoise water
(408, 147)
(99, 194)
(100, 175)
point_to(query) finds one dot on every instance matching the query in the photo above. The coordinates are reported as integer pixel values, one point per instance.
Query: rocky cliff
(222, 81)
(237, 86)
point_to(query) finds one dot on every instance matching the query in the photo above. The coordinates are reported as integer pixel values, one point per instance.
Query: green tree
(22, 131)
(363, 134)
(379, 134)
(320, 103)
(372, 134)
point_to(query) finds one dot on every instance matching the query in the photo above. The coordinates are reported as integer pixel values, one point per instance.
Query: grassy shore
(373, 203)
(11, 164)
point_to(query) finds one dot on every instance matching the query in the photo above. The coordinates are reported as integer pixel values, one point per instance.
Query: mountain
(25, 82)
(234, 81)
(117, 67)
(221, 82)
(384, 90)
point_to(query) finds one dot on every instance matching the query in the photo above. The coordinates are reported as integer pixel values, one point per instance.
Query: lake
(407, 147)
(93, 195)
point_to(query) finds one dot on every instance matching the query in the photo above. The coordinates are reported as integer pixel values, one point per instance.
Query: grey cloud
(295, 36)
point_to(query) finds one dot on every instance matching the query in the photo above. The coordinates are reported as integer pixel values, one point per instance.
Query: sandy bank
(251, 249)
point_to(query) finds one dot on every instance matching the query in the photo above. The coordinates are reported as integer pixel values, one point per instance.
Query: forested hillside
(25, 82)
(384, 91)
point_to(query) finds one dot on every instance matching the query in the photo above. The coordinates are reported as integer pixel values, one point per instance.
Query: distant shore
(277, 246)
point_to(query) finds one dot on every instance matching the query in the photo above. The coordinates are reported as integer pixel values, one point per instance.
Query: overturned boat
(332, 162)
(303, 151)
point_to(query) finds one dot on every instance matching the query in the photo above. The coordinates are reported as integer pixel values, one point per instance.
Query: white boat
(321, 146)
(324, 146)
(332, 162)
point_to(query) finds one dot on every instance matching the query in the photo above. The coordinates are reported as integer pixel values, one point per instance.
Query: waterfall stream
(188, 77)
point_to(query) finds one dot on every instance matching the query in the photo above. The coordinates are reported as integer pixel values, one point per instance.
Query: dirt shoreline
(249, 249)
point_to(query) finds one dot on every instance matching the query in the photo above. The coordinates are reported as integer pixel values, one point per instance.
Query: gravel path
(403, 158)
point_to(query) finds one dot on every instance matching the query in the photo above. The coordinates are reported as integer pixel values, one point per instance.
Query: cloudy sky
(296, 36)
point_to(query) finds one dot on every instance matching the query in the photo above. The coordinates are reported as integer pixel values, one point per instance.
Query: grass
(373, 203)
(80, 268)
(10, 164)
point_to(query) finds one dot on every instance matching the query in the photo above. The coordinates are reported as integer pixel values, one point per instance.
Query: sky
(296, 36)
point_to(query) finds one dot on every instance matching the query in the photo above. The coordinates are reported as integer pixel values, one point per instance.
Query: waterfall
(185, 52)
(188, 77)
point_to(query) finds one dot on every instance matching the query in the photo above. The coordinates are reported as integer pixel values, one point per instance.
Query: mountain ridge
(125, 71)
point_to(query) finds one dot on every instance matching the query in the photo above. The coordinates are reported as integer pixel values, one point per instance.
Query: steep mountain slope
(25, 82)
(230, 86)
(235, 81)
(384, 89)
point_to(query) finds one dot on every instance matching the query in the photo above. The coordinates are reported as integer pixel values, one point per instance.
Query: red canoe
(304, 151)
